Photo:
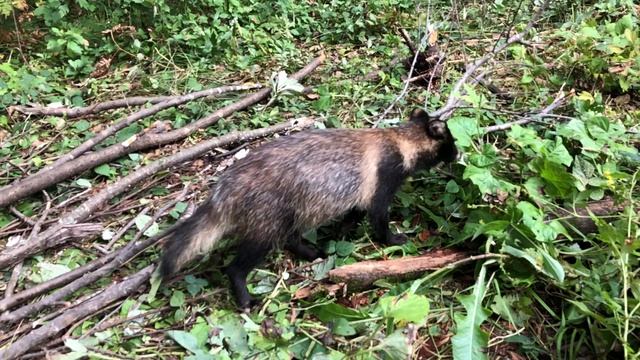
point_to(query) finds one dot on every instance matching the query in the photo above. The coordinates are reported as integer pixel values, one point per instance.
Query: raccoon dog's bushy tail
(196, 235)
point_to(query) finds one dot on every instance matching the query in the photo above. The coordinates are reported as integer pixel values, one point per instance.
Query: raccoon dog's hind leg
(250, 254)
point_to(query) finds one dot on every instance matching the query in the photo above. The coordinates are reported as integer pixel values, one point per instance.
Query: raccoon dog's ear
(418, 115)
(437, 129)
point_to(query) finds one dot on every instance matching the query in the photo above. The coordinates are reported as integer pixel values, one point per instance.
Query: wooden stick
(40, 335)
(363, 274)
(120, 103)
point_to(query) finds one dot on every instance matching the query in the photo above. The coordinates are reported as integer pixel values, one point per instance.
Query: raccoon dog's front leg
(247, 259)
(302, 250)
(379, 219)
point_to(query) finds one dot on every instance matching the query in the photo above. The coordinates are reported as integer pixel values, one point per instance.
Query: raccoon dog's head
(446, 150)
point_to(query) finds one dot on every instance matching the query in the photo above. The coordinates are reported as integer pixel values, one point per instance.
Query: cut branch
(559, 100)
(121, 103)
(46, 178)
(52, 236)
(170, 102)
(40, 336)
(363, 274)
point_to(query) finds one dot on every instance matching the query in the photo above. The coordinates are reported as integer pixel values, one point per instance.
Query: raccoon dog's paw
(398, 239)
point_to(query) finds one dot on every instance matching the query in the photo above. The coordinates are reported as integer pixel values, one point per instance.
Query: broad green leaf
(105, 170)
(329, 312)
(394, 346)
(344, 248)
(485, 181)
(75, 345)
(189, 342)
(539, 259)
(342, 327)
(194, 284)
(84, 183)
(235, 335)
(463, 130)
(575, 129)
(552, 266)
(470, 341)
(533, 218)
(141, 222)
(405, 308)
(177, 298)
(557, 176)
(452, 187)
(590, 32)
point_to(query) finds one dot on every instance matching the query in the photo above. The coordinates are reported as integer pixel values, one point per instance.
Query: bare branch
(126, 102)
(39, 336)
(559, 100)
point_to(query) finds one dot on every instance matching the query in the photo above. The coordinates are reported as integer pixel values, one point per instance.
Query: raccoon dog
(299, 182)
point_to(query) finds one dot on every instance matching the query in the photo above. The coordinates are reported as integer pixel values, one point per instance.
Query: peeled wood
(363, 274)
(51, 237)
(55, 327)
(42, 180)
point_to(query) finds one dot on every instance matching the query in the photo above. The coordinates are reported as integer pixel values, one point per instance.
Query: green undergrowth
(542, 285)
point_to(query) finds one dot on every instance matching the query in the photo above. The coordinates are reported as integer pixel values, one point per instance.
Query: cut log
(363, 274)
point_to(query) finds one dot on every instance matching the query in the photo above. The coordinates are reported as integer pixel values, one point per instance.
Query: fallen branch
(454, 99)
(46, 178)
(127, 253)
(363, 274)
(17, 270)
(51, 237)
(120, 103)
(114, 292)
(171, 102)
(579, 218)
(559, 100)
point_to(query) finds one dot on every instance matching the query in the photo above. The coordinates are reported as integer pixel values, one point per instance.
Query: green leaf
(485, 181)
(178, 209)
(470, 341)
(194, 284)
(394, 346)
(342, 327)
(141, 222)
(590, 32)
(177, 298)
(105, 170)
(552, 266)
(344, 248)
(557, 176)
(189, 342)
(533, 218)
(235, 335)
(75, 345)
(452, 187)
(463, 130)
(81, 125)
(329, 312)
(84, 183)
(405, 308)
